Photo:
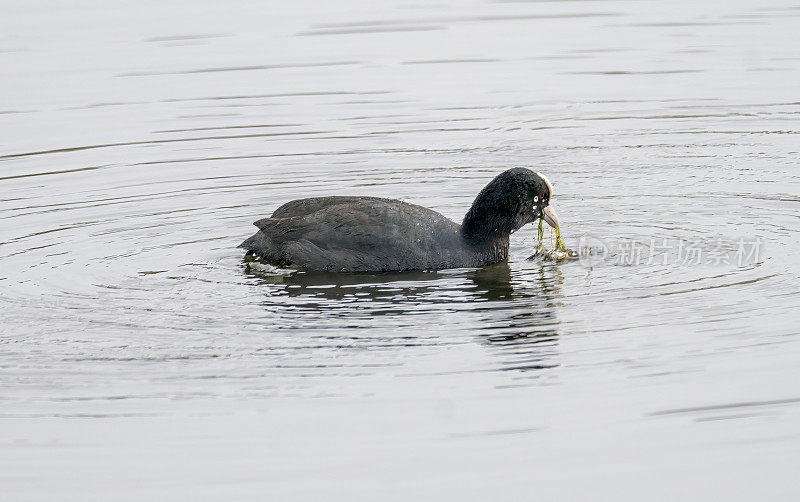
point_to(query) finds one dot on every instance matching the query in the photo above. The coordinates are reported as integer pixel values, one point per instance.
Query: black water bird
(372, 234)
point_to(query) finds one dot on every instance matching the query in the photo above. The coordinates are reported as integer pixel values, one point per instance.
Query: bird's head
(514, 198)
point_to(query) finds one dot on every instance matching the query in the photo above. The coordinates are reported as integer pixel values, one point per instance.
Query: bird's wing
(310, 205)
(353, 234)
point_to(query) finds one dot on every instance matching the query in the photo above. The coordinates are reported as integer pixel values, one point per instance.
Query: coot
(372, 234)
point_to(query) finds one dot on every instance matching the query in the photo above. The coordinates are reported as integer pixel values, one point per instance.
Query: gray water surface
(142, 358)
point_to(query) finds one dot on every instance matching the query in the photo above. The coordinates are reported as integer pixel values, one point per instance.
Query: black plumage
(372, 234)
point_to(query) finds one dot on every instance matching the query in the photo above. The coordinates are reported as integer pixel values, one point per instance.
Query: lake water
(141, 358)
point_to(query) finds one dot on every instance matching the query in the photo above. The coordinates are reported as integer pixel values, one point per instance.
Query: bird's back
(351, 234)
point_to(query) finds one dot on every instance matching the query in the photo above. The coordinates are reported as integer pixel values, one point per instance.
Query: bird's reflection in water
(511, 311)
(522, 327)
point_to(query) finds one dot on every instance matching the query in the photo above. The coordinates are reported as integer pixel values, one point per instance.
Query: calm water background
(140, 359)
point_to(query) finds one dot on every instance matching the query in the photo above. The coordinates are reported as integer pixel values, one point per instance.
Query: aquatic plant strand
(561, 252)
